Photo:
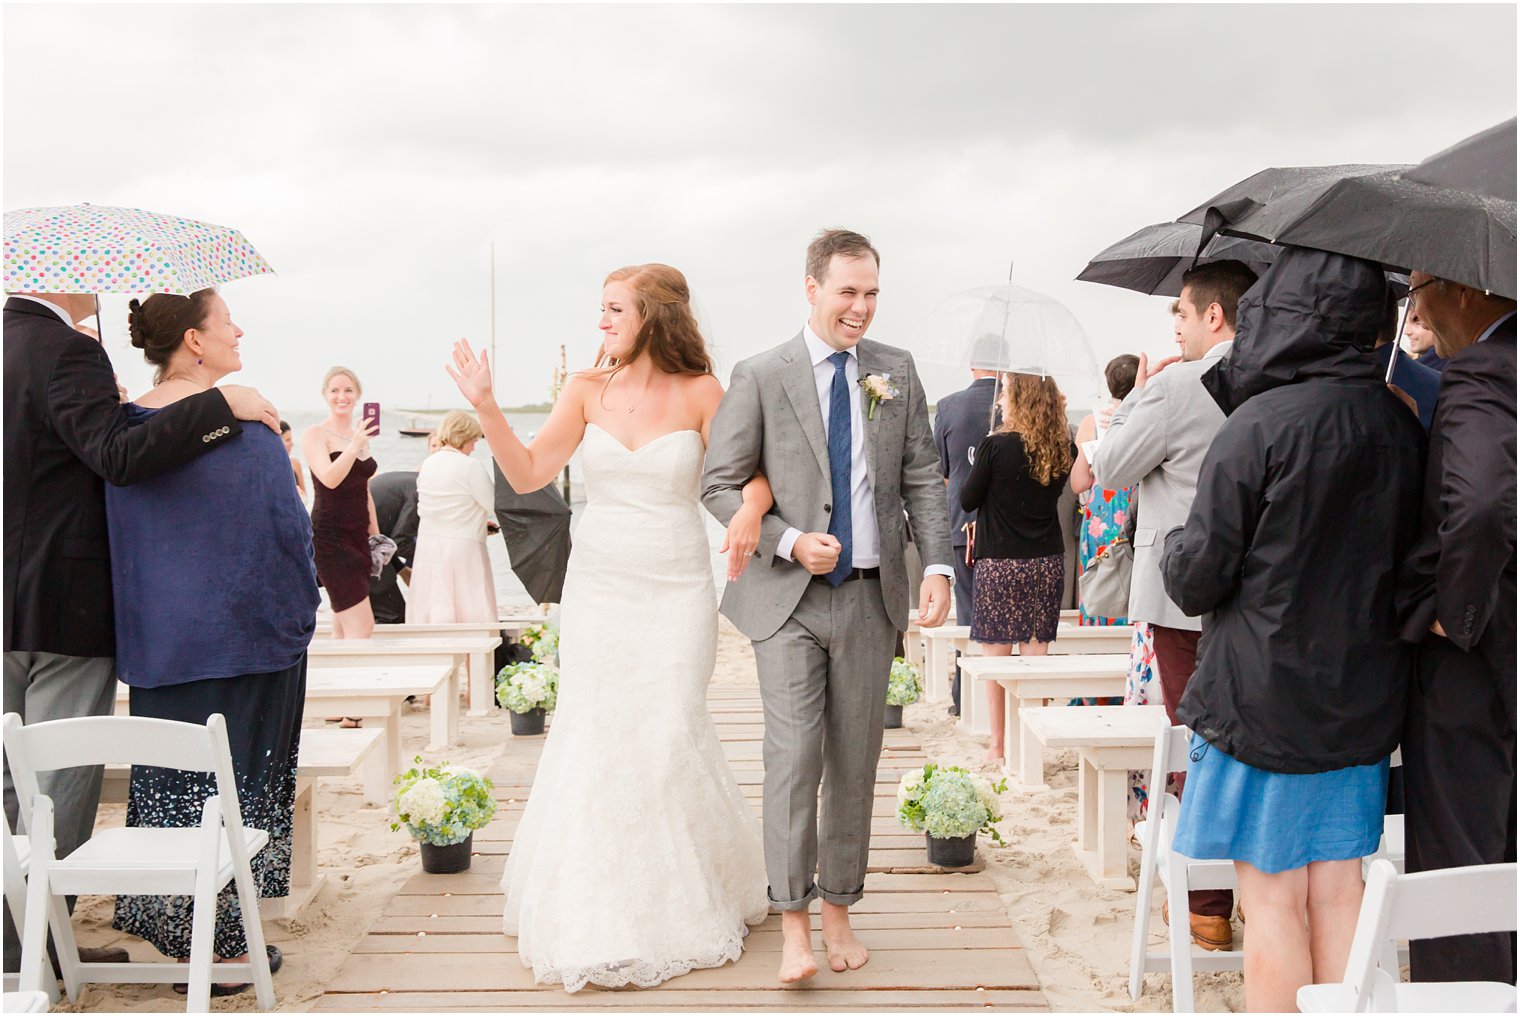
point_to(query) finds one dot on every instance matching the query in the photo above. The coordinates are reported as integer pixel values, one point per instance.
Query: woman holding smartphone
(343, 515)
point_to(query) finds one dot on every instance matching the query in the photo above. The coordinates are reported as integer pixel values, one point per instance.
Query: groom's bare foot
(797, 963)
(845, 950)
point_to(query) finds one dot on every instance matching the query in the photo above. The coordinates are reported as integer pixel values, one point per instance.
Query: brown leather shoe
(1212, 933)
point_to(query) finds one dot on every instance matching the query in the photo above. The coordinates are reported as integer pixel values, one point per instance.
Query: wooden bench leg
(443, 712)
(1113, 837)
(481, 691)
(303, 858)
(1031, 757)
(1012, 735)
(377, 783)
(1087, 803)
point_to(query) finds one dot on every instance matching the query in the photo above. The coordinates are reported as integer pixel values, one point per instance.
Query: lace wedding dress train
(637, 858)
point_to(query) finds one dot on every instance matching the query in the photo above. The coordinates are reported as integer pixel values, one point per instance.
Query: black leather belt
(854, 573)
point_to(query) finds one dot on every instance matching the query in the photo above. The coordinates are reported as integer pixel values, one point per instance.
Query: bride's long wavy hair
(669, 335)
(1034, 409)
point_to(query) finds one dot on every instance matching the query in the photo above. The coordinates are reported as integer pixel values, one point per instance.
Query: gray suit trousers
(46, 686)
(823, 683)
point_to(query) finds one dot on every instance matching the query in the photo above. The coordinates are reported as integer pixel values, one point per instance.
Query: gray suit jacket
(1158, 438)
(770, 422)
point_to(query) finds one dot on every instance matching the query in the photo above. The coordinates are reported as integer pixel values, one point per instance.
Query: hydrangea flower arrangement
(543, 639)
(524, 687)
(948, 802)
(903, 687)
(443, 804)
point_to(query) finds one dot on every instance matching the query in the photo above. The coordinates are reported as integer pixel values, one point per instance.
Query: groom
(824, 602)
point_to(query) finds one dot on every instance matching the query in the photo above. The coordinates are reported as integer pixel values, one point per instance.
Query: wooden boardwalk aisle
(938, 940)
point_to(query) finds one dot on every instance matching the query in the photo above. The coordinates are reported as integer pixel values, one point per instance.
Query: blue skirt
(1278, 821)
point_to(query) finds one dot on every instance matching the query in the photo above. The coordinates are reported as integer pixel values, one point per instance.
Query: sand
(1077, 935)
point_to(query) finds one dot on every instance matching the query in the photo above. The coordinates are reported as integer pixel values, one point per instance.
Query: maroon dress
(340, 534)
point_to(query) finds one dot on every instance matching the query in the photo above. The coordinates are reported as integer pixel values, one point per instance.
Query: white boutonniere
(878, 388)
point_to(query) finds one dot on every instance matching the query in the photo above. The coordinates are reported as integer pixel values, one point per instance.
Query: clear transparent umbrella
(1009, 329)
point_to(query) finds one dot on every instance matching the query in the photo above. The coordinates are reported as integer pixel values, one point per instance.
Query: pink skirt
(451, 582)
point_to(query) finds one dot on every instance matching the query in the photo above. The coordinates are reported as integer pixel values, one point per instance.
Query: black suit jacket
(1462, 569)
(65, 434)
(395, 495)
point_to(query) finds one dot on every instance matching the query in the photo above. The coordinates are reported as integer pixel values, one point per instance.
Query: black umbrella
(1152, 260)
(536, 528)
(1375, 213)
(1482, 164)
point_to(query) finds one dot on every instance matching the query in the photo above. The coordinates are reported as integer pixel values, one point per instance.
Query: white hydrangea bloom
(911, 786)
(423, 802)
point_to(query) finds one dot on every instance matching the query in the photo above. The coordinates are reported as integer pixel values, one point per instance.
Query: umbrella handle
(1397, 352)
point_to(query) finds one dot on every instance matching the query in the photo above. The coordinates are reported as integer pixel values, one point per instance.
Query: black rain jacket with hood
(1308, 500)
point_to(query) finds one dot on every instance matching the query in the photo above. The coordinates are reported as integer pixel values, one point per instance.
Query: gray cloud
(373, 152)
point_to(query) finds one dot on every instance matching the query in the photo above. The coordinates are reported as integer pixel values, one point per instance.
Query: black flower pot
(893, 718)
(447, 860)
(527, 724)
(951, 853)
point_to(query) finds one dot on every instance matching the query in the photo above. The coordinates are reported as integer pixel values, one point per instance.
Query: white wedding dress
(637, 859)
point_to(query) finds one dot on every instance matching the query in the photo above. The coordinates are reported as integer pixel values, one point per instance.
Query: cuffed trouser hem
(840, 899)
(801, 903)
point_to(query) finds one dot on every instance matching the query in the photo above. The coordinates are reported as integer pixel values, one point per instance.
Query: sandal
(276, 961)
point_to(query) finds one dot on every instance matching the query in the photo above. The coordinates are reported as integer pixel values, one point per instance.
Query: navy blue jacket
(961, 420)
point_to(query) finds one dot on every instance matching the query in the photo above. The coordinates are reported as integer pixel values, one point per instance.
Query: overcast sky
(372, 154)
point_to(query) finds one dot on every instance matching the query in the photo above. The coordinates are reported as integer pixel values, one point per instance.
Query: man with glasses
(1457, 603)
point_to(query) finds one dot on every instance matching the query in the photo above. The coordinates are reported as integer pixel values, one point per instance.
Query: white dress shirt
(866, 537)
(865, 549)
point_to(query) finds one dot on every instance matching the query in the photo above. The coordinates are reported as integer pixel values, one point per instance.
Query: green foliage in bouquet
(543, 639)
(443, 804)
(903, 687)
(948, 802)
(524, 687)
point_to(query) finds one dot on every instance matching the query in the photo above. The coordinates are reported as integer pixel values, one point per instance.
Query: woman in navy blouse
(216, 599)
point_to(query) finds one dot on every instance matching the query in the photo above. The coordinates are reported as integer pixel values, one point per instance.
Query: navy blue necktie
(841, 525)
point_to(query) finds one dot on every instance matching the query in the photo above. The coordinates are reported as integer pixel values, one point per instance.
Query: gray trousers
(823, 683)
(46, 686)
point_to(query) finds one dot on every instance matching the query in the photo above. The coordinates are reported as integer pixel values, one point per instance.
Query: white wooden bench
(465, 654)
(942, 645)
(482, 680)
(324, 753)
(1030, 681)
(378, 693)
(1109, 741)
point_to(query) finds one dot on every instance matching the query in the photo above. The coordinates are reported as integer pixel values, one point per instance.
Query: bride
(637, 859)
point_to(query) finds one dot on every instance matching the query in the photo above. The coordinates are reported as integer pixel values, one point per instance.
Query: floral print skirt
(1017, 599)
(263, 713)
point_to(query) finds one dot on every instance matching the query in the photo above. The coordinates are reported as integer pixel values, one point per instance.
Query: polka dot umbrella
(101, 249)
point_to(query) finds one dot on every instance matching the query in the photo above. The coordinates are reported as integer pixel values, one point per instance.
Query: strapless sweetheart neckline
(646, 444)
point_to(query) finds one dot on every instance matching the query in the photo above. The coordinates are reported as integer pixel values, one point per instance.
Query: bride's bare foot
(797, 963)
(845, 950)
(994, 754)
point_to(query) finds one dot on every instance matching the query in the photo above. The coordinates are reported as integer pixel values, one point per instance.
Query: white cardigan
(455, 496)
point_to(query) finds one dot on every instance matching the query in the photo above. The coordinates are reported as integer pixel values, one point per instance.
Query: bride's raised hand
(473, 376)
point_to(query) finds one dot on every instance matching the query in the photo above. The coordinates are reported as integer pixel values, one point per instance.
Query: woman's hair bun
(135, 327)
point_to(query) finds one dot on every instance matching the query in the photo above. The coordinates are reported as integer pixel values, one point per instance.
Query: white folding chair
(1178, 875)
(17, 858)
(25, 1001)
(196, 861)
(1426, 904)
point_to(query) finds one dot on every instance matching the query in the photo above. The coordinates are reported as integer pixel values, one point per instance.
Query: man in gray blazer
(825, 600)
(1157, 438)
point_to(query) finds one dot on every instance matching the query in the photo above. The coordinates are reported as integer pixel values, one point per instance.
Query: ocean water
(393, 451)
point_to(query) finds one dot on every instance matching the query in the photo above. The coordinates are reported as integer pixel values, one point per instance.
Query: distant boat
(415, 431)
